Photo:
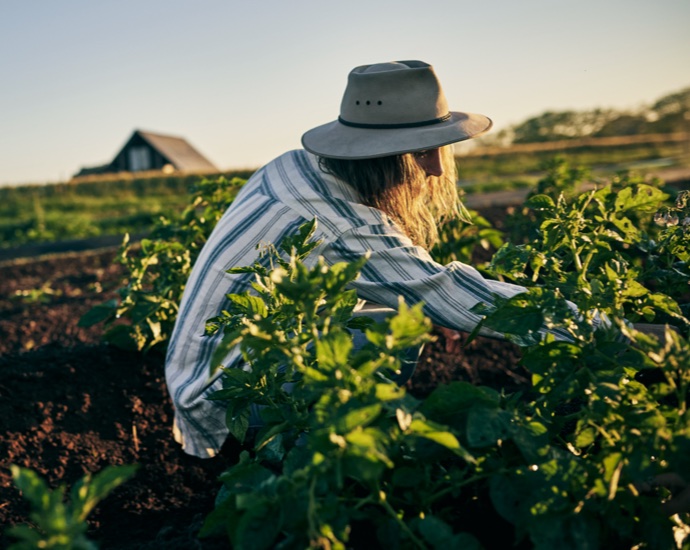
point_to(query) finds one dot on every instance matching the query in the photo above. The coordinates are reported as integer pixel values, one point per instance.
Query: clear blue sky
(242, 80)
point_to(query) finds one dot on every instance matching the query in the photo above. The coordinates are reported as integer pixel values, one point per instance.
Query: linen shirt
(274, 203)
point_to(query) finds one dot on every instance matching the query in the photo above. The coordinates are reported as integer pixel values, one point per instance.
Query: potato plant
(157, 270)
(60, 524)
(601, 250)
(346, 458)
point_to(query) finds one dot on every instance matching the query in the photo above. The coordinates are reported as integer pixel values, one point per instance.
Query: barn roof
(178, 152)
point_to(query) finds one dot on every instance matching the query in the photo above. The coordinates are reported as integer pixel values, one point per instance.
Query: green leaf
(238, 424)
(221, 520)
(258, 527)
(333, 350)
(145, 307)
(342, 311)
(540, 202)
(552, 358)
(450, 400)
(585, 437)
(510, 260)
(299, 243)
(408, 325)
(230, 340)
(247, 305)
(627, 228)
(506, 497)
(246, 476)
(369, 444)
(516, 318)
(475, 332)
(60, 524)
(389, 392)
(439, 434)
(435, 531)
(360, 323)
(665, 303)
(485, 426)
(640, 197)
(242, 269)
(30, 536)
(237, 378)
(125, 337)
(576, 531)
(408, 476)
(532, 440)
(353, 415)
(610, 463)
(99, 313)
(90, 491)
(33, 488)
(633, 289)
(272, 451)
(441, 537)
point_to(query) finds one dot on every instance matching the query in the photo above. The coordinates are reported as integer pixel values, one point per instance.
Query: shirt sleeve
(397, 267)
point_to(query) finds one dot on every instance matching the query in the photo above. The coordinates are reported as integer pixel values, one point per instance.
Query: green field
(53, 212)
(131, 204)
(523, 166)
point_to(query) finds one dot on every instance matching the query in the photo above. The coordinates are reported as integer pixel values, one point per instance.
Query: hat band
(394, 126)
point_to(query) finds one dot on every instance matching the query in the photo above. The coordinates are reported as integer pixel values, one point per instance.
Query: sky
(243, 80)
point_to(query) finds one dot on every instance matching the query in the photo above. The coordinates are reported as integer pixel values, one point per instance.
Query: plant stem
(403, 526)
(456, 486)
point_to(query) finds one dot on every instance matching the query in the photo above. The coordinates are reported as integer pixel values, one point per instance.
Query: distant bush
(670, 113)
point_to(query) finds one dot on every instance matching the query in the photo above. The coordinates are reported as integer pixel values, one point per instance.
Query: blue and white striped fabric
(275, 202)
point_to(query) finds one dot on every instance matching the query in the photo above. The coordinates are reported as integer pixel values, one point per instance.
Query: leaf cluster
(461, 240)
(600, 249)
(341, 446)
(613, 414)
(345, 457)
(61, 524)
(156, 271)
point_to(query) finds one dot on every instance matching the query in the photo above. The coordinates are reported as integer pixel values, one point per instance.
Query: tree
(670, 113)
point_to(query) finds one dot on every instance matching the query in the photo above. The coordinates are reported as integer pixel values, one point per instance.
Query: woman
(378, 179)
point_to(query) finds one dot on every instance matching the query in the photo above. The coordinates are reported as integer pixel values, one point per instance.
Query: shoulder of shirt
(291, 156)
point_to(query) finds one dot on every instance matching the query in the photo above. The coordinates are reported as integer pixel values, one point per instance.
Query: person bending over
(379, 180)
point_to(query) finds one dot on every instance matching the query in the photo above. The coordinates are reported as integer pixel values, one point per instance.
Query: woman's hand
(453, 339)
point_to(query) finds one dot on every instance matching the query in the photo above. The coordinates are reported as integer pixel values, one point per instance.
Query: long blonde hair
(398, 186)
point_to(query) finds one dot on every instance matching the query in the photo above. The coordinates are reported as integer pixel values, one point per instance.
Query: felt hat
(389, 109)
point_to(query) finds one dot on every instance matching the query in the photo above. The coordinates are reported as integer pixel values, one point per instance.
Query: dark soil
(70, 405)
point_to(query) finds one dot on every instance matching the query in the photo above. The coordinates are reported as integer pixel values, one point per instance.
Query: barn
(146, 151)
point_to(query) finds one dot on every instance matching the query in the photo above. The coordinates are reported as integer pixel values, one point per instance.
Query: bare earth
(71, 405)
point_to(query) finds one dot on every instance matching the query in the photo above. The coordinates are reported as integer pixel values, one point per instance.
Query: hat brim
(335, 140)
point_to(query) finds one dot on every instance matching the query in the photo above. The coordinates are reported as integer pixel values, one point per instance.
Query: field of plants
(110, 205)
(92, 207)
(526, 443)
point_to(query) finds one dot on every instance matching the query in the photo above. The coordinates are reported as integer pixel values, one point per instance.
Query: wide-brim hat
(390, 109)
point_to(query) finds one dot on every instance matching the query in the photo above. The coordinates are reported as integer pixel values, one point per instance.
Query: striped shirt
(273, 204)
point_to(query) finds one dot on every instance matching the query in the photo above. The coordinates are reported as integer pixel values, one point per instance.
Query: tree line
(669, 114)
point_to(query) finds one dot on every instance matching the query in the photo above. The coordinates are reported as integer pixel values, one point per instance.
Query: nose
(430, 161)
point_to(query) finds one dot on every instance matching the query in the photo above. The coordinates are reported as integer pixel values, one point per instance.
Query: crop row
(592, 457)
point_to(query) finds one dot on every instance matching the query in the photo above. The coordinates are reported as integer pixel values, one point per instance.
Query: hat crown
(390, 109)
(394, 93)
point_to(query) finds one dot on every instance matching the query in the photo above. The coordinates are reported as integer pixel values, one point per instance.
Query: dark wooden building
(146, 151)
